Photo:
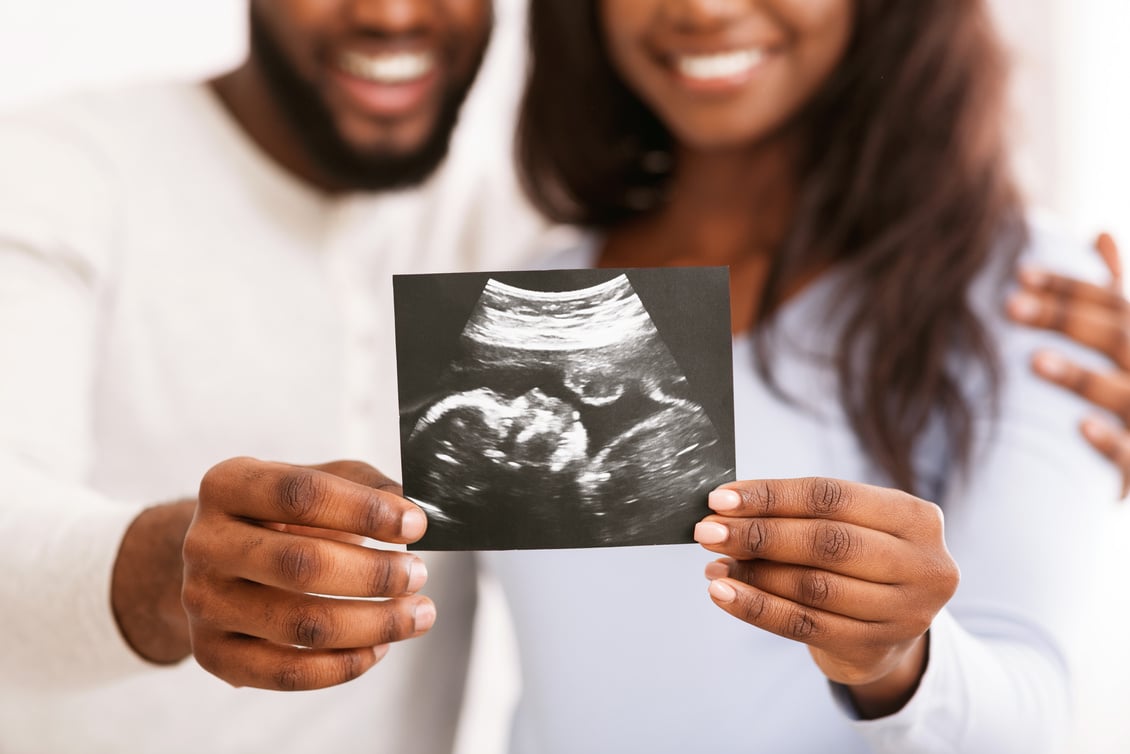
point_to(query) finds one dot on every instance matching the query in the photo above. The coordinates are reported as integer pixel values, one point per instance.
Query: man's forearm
(148, 573)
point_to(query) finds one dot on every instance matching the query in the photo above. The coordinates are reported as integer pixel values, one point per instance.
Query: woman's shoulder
(1056, 245)
(1050, 244)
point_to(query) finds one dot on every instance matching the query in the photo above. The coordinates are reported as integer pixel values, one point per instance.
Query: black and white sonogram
(565, 408)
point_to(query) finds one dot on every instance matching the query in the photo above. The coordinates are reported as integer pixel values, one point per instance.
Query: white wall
(52, 46)
(1072, 107)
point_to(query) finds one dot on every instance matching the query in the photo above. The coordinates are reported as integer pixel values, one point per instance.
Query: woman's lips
(717, 71)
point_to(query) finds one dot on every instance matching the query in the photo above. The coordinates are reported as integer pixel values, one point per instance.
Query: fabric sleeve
(61, 538)
(1022, 526)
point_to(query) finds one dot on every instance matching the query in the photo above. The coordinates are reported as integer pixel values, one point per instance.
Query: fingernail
(717, 570)
(417, 574)
(424, 616)
(1024, 307)
(1096, 430)
(722, 591)
(710, 533)
(1033, 276)
(380, 651)
(724, 500)
(1050, 364)
(412, 524)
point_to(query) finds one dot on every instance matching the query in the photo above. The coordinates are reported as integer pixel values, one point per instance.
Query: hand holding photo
(564, 408)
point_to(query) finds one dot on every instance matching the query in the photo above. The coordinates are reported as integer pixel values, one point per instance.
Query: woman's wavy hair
(905, 185)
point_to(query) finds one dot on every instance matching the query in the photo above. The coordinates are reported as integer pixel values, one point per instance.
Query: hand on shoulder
(1095, 316)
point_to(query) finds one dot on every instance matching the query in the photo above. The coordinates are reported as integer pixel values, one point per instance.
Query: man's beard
(346, 166)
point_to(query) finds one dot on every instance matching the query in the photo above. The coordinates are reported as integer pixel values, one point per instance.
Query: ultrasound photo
(564, 408)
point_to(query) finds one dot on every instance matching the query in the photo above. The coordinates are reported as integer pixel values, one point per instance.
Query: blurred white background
(1072, 137)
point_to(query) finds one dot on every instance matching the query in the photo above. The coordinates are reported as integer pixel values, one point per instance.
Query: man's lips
(387, 84)
(390, 68)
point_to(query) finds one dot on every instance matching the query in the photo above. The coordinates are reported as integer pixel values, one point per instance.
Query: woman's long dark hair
(905, 184)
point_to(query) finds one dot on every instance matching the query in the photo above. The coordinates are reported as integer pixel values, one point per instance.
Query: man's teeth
(719, 66)
(390, 68)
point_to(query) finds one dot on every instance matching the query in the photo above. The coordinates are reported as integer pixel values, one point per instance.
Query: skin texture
(231, 577)
(255, 556)
(147, 579)
(263, 537)
(856, 572)
(1097, 317)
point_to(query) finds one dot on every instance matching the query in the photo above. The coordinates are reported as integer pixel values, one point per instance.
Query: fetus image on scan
(563, 421)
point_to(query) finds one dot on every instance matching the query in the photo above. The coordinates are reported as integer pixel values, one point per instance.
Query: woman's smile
(719, 71)
(726, 75)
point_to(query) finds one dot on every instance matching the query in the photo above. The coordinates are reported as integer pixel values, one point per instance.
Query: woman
(845, 160)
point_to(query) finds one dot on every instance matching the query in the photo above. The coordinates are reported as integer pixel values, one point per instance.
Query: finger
(785, 618)
(1109, 390)
(313, 531)
(829, 545)
(1070, 290)
(303, 620)
(362, 473)
(813, 587)
(247, 661)
(1087, 324)
(1112, 442)
(266, 491)
(354, 471)
(1108, 250)
(879, 508)
(312, 565)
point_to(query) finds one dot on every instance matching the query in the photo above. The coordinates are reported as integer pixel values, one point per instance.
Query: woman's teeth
(388, 68)
(719, 66)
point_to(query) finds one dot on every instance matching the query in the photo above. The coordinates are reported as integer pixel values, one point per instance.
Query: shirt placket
(359, 297)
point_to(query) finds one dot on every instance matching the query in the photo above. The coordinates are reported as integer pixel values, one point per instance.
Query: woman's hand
(856, 572)
(1097, 317)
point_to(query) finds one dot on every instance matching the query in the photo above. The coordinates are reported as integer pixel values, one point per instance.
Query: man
(193, 273)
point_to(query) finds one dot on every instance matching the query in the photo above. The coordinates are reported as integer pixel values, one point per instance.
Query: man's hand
(146, 586)
(854, 571)
(1097, 317)
(273, 569)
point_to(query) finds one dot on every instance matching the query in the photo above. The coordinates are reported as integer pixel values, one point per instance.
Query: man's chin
(385, 172)
(349, 151)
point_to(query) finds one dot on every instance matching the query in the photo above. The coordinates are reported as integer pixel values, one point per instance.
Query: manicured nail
(1097, 430)
(717, 570)
(710, 533)
(1033, 276)
(424, 616)
(724, 500)
(1051, 364)
(1024, 307)
(722, 591)
(417, 574)
(413, 524)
